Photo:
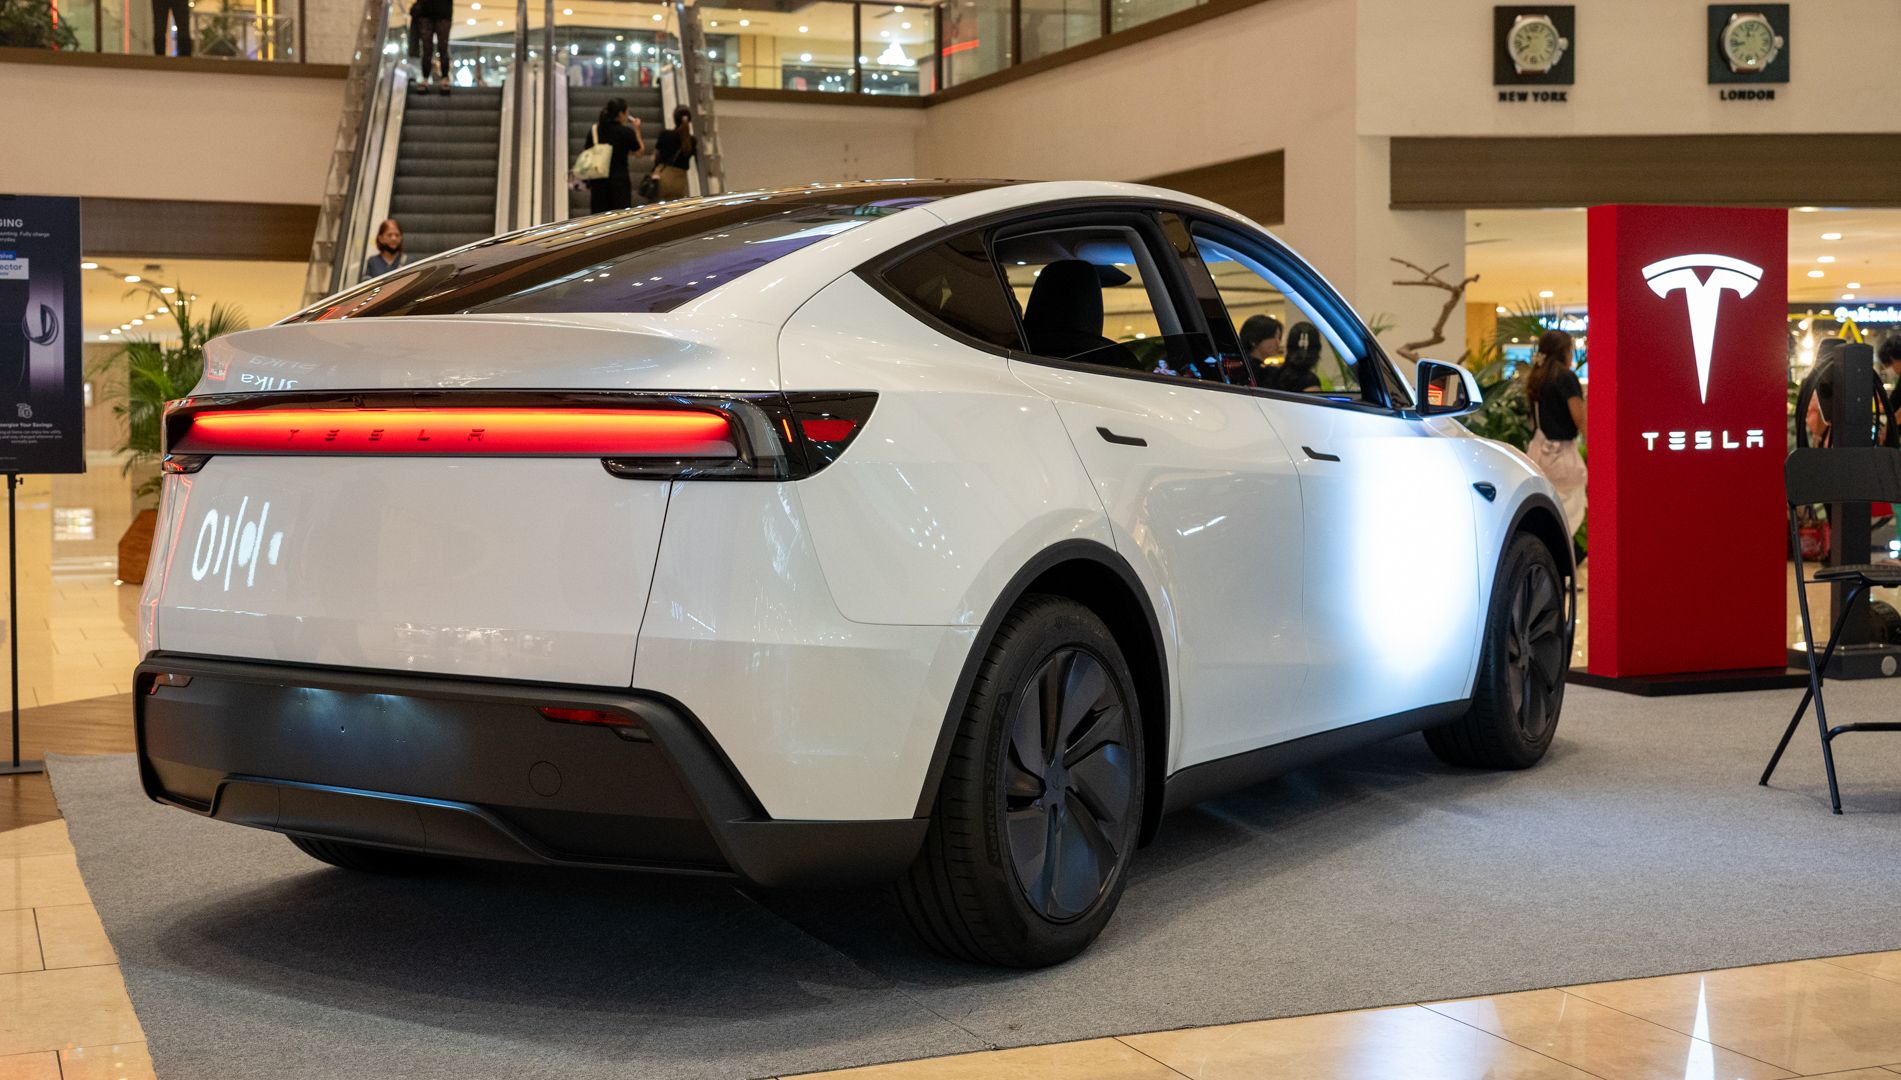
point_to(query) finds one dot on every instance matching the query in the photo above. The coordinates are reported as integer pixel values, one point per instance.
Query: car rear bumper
(469, 768)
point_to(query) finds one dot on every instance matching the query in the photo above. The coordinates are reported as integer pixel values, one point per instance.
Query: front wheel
(1041, 801)
(1519, 690)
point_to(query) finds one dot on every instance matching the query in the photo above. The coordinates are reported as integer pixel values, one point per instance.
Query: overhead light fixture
(567, 11)
(138, 322)
(884, 33)
(904, 26)
(1545, 294)
(803, 29)
(168, 290)
(805, 58)
(132, 279)
(745, 22)
(1807, 209)
(1825, 258)
(1815, 273)
(1848, 296)
(1500, 309)
(89, 266)
(471, 22)
(656, 18)
(1831, 236)
(117, 330)
(893, 56)
(899, 9)
(1854, 284)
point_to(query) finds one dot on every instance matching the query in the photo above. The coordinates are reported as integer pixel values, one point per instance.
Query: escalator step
(450, 187)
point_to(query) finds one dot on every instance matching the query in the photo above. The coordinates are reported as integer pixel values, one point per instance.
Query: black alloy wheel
(1040, 807)
(1536, 650)
(1069, 790)
(1518, 691)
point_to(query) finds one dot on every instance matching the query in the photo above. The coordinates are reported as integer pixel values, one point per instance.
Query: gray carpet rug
(1642, 846)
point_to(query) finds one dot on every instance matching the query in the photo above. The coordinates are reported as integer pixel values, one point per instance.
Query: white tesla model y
(944, 533)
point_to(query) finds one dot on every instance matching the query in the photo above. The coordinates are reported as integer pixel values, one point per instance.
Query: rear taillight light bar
(638, 436)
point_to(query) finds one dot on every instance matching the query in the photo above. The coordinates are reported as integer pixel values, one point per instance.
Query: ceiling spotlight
(1807, 209)
(656, 18)
(105, 337)
(1825, 258)
(118, 330)
(1545, 294)
(899, 9)
(904, 26)
(1831, 236)
(1854, 284)
(168, 290)
(1815, 273)
(745, 22)
(471, 22)
(1848, 296)
(89, 266)
(567, 11)
(803, 29)
(138, 322)
(1500, 309)
(132, 279)
(805, 57)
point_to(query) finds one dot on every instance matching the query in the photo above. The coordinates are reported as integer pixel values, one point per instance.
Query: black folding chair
(1840, 475)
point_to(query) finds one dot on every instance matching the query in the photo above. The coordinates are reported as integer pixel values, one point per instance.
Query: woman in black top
(615, 191)
(429, 22)
(676, 149)
(1298, 374)
(1556, 399)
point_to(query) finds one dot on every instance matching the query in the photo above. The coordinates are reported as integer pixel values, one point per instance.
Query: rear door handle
(1318, 456)
(1121, 440)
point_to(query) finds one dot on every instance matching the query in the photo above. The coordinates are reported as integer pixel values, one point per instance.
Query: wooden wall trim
(1255, 185)
(180, 229)
(1455, 173)
(192, 64)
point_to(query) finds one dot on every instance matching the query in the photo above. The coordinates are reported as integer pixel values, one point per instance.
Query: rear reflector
(586, 716)
(490, 432)
(829, 430)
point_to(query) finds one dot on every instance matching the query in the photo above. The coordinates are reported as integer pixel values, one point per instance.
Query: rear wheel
(1041, 801)
(1520, 686)
(362, 857)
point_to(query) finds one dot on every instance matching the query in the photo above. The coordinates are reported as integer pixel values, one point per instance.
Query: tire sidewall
(1050, 626)
(1494, 682)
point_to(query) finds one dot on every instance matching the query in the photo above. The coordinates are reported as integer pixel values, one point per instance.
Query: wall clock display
(1535, 45)
(1749, 43)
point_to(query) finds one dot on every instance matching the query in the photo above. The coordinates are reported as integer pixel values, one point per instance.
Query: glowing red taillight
(829, 430)
(491, 432)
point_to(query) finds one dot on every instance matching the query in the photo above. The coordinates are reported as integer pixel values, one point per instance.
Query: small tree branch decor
(1431, 279)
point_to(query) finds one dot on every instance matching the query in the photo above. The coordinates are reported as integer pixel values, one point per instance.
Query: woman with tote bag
(619, 134)
(1556, 398)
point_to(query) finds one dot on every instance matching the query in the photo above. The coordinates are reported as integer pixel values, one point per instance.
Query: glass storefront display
(975, 38)
(1124, 14)
(1054, 25)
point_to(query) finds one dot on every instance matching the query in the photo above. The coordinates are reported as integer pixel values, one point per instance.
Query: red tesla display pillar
(1686, 433)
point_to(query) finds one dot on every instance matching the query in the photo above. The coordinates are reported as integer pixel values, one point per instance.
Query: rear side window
(954, 284)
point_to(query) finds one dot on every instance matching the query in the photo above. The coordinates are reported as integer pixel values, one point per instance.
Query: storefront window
(1054, 25)
(976, 39)
(895, 47)
(1126, 13)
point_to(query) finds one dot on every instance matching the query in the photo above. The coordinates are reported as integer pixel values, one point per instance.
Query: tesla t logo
(1703, 294)
(230, 542)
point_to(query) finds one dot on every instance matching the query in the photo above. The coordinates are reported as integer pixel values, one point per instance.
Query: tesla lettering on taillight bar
(489, 432)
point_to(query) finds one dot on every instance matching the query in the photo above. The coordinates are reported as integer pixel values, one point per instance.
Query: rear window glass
(652, 259)
(955, 283)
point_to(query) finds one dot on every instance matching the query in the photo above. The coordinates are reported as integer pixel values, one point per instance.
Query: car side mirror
(1447, 389)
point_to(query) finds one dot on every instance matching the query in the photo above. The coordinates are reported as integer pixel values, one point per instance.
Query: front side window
(954, 283)
(1094, 295)
(1289, 345)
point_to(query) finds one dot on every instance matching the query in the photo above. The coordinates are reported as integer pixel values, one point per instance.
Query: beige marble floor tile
(1809, 1017)
(19, 942)
(40, 1066)
(72, 936)
(1378, 1044)
(46, 838)
(125, 1061)
(1853, 1074)
(1600, 1040)
(1096, 1059)
(1882, 965)
(40, 881)
(47, 1010)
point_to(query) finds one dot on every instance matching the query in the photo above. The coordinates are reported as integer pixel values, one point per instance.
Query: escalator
(447, 168)
(457, 168)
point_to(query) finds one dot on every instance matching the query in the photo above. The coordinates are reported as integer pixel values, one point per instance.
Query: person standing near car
(617, 129)
(675, 152)
(1556, 399)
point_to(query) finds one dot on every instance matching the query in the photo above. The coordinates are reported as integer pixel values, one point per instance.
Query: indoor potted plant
(138, 380)
(33, 24)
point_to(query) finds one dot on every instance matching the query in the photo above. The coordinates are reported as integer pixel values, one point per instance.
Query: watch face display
(1749, 43)
(1534, 45)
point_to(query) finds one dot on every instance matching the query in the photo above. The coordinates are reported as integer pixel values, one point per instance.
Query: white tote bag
(594, 162)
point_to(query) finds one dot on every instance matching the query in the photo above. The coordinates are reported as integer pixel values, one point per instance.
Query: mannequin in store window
(1556, 399)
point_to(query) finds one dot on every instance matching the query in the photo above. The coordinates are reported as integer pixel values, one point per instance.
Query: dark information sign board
(42, 370)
